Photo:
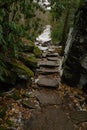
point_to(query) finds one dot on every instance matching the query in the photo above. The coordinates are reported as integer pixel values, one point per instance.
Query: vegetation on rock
(17, 34)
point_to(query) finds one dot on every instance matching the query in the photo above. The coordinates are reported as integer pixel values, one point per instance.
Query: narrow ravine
(55, 106)
(46, 103)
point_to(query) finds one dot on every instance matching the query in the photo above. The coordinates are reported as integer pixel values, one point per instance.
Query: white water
(45, 36)
(44, 4)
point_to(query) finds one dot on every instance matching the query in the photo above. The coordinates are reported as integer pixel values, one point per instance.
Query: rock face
(75, 63)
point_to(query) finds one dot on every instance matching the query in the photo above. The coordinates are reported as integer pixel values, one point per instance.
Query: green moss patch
(37, 52)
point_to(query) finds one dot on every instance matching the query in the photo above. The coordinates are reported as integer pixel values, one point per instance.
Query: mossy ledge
(18, 64)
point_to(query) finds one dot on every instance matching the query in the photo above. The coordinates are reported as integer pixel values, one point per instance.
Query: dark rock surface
(49, 119)
(52, 54)
(75, 63)
(52, 58)
(78, 116)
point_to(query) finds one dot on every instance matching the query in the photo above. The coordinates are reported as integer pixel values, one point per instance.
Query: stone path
(49, 109)
(49, 115)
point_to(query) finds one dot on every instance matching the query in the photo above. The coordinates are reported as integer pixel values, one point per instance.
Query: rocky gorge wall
(75, 61)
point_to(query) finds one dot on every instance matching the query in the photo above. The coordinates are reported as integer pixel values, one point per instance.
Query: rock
(47, 64)
(52, 58)
(43, 55)
(37, 52)
(30, 103)
(52, 55)
(28, 45)
(21, 70)
(84, 63)
(48, 98)
(49, 119)
(46, 71)
(29, 60)
(48, 82)
(75, 57)
(78, 116)
(43, 48)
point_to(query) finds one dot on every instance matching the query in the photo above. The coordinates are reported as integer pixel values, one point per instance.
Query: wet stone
(78, 116)
(49, 119)
(48, 64)
(46, 71)
(48, 98)
(48, 82)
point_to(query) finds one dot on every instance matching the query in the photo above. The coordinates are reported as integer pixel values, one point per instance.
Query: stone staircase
(48, 114)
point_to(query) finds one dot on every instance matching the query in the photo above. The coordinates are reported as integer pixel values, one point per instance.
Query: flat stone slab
(52, 58)
(48, 98)
(78, 116)
(48, 64)
(48, 82)
(46, 71)
(49, 119)
(52, 55)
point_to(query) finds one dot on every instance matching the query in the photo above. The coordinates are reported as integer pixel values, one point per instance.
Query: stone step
(48, 82)
(47, 64)
(46, 71)
(48, 97)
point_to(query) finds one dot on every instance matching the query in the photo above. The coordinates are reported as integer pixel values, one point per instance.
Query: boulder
(29, 60)
(75, 54)
(22, 71)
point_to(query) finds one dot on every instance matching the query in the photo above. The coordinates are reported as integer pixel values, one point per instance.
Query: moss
(37, 52)
(29, 60)
(21, 66)
(28, 45)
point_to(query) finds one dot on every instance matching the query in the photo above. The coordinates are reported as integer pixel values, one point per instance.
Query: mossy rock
(37, 52)
(21, 69)
(28, 45)
(29, 60)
